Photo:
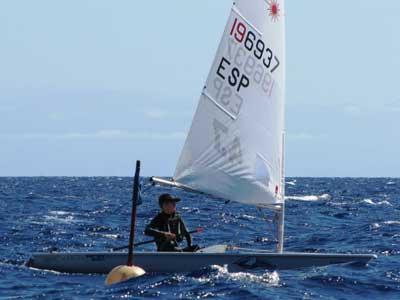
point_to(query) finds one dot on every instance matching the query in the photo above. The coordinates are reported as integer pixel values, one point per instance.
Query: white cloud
(393, 106)
(99, 135)
(300, 136)
(353, 110)
(156, 113)
(56, 116)
(364, 109)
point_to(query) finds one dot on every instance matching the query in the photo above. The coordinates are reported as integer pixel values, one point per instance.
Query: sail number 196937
(254, 45)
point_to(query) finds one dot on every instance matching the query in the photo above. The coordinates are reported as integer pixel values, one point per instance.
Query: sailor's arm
(186, 233)
(152, 229)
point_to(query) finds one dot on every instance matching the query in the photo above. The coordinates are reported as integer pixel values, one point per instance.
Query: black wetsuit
(168, 223)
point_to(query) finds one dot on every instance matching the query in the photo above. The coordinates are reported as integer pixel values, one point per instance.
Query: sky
(88, 87)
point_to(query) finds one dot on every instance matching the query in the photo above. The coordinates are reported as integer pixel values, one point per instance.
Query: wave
(371, 202)
(269, 278)
(348, 283)
(392, 222)
(377, 225)
(310, 198)
(106, 235)
(222, 273)
(67, 220)
(246, 217)
(60, 216)
(60, 212)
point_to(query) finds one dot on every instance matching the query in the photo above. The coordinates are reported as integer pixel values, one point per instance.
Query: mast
(281, 211)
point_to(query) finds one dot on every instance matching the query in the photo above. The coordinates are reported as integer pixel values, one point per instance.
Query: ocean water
(92, 214)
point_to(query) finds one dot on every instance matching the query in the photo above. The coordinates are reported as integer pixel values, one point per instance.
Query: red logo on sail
(274, 10)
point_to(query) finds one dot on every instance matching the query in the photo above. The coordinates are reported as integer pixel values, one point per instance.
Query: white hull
(173, 262)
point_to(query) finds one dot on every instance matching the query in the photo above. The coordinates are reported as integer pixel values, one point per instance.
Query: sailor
(168, 228)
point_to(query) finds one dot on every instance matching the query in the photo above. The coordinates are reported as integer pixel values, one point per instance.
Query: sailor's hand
(170, 236)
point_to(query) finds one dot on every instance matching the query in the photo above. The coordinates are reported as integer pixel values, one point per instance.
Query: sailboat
(234, 151)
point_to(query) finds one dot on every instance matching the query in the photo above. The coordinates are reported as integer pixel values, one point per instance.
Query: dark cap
(167, 198)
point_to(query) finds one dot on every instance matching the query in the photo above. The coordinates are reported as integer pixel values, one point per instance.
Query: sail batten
(219, 105)
(234, 148)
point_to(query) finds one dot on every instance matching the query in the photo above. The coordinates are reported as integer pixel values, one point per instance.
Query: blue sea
(356, 215)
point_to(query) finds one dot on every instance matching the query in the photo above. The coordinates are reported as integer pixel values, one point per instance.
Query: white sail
(234, 149)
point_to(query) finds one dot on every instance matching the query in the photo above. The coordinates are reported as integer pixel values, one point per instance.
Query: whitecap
(111, 236)
(310, 198)
(371, 202)
(247, 217)
(106, 235)
(368, 201)
(291, 182)
(65, 220)
(339, 203)
(384, 202)
(61, 216)
(375, 225)
(392, 222)
(268, 278)
(59, 212)
(38, 223)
